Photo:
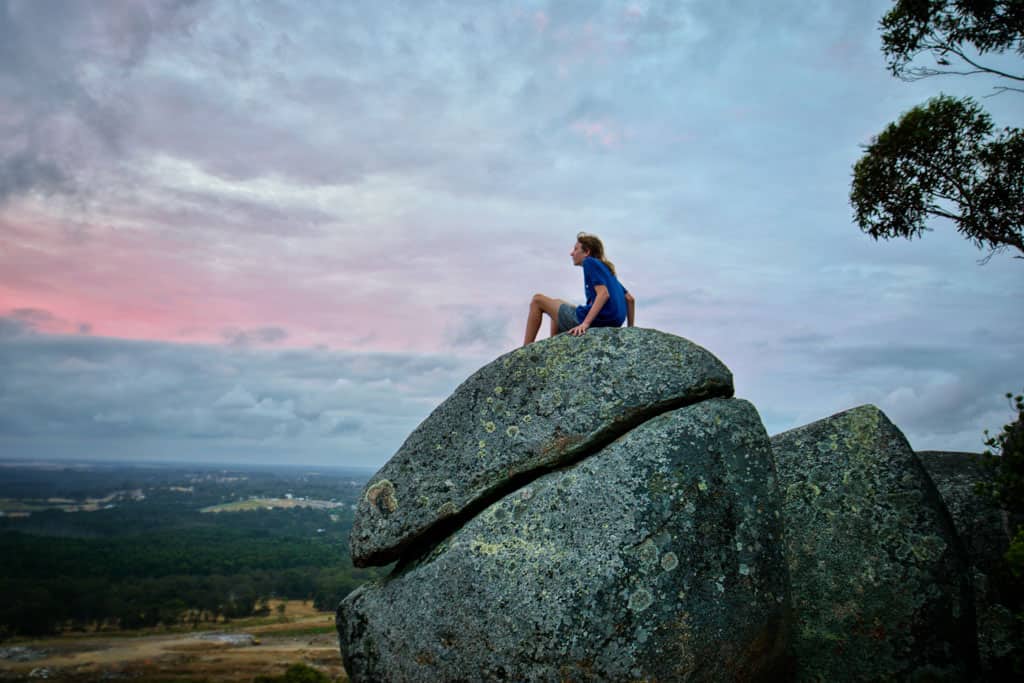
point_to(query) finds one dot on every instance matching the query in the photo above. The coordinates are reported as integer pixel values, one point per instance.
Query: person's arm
(600, 296)
(630, 309)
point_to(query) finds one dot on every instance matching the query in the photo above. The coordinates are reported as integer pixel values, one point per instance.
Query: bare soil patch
(304, 635)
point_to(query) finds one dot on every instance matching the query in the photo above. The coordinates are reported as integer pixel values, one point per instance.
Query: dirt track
(305, 636)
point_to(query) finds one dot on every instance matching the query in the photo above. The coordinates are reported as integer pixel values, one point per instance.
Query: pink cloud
(168, 284)
(602, 132)
(541, 21)
(634, 11)
(589, 44)
(742, 113)
(842, 53)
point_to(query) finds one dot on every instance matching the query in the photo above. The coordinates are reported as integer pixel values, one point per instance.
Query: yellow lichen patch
(446, 510)
(484, 548)
(512, 431)
(382, 497)
(481, 444)
(489, 427)
(498, 390)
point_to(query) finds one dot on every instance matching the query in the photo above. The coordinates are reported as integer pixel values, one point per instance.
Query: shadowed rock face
(879, 578)
(657, 558)
(985, 532)
(529, 411)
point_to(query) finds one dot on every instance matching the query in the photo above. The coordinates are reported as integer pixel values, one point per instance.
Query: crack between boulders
(420, 549)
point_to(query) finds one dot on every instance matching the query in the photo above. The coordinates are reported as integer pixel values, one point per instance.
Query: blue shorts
(567, 318)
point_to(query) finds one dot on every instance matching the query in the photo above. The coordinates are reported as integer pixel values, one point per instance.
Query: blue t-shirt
(613, 313)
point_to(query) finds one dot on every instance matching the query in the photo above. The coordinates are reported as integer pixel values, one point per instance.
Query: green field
(269, 504)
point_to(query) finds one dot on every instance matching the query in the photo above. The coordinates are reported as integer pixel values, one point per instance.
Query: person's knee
(537, 300)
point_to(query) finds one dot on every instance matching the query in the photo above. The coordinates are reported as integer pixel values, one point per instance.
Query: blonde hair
(592, 243)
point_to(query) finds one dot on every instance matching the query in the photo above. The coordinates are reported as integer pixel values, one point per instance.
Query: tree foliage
(296, 673)
(1006, 453)
(951, 31)
(944, 159)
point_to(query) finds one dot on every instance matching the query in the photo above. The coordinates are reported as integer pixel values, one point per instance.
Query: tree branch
(986, 69)
(936, 211)
(941, 45)
(1000, 89)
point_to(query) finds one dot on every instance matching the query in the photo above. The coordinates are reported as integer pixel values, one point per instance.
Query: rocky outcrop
(652, 551)
(600, 508)
(985, 532)
(879, 577)
(529, 411)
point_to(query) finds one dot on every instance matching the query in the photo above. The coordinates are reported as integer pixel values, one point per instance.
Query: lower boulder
(657, 558)
(880, 580)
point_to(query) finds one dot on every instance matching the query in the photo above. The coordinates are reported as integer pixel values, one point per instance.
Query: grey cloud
(57, 124)
(942, 393)
(20, 172)
(806, 339)
(901, 356)
(32, 318)
(369, 89)
(261, 335)
(477, 329)
(929, 389)
(97, 395)
(10, 327)
(343, 425)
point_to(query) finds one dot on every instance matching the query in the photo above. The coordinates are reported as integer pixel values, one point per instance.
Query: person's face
(579, 253)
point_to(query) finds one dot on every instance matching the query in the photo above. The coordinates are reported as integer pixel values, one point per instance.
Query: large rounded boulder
(531, 410)
(880, 580)
(657, 558)
(592, 508)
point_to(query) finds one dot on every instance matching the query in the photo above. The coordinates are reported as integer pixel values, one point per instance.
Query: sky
(276, 232)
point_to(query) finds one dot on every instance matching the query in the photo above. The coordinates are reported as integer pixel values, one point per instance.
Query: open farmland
(233, 652)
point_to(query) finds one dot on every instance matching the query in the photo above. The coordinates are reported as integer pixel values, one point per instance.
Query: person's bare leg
(538, 307)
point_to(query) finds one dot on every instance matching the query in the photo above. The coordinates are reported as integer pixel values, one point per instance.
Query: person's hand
(579, 330)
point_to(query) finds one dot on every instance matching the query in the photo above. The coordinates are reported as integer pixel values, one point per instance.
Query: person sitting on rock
(608, 302)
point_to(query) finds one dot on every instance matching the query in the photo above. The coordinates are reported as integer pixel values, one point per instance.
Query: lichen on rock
(879, 578)
(618, 567)
(529, 411)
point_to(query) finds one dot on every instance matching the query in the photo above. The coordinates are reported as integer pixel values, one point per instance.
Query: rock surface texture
(629, 530)
(530, 410)
(880, 584)
(985, 532)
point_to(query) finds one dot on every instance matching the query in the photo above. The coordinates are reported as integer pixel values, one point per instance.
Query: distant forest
(159, 560)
